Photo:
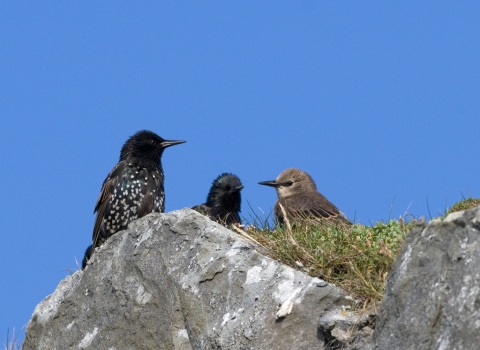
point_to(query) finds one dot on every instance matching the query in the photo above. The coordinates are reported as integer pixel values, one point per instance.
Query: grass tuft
(356, 258)
(464, 204)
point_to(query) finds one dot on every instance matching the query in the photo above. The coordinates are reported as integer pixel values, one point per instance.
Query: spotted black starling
(298, 195)
(223, 201)
(134, 187)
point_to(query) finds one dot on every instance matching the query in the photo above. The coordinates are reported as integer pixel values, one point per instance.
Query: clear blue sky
(379, 102)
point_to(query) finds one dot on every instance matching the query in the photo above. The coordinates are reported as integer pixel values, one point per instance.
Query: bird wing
(223, 217)
(203, 209)
(111, 182)
(312, 205)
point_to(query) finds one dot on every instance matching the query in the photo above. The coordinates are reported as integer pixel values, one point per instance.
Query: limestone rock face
(432, 298)
(181, 281)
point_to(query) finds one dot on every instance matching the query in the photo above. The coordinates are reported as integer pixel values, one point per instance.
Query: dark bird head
(225, 192)
(146, 145)
(292, 182)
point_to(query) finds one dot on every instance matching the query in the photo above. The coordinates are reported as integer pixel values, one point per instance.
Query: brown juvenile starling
(134, 187)
(298, 195)
(223, 201)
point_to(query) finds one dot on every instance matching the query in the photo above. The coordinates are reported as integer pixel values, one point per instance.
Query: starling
(298, 195)
(223, 201)
(134, 187)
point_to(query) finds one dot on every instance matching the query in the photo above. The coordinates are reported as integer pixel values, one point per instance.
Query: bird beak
(168, 143)
(271, 183)
(238, 188)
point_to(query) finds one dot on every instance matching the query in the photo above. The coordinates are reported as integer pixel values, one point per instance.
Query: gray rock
(432, 298)
(182, 281)
(345, 329)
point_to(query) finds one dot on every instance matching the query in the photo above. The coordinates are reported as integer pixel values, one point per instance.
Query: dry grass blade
(247, 236)
(11, 344)
(287, 222)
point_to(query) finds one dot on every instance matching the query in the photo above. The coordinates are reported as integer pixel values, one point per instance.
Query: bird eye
(289, 183)
(228, 188)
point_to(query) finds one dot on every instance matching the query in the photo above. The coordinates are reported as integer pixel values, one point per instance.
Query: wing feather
(108, 186)
(202, 209)
(308, 206)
